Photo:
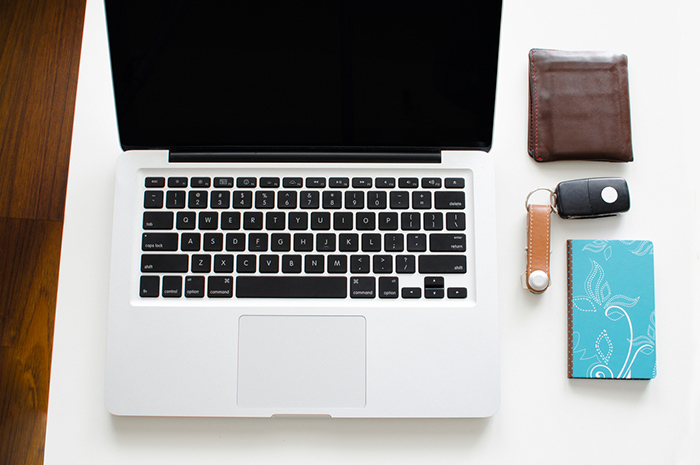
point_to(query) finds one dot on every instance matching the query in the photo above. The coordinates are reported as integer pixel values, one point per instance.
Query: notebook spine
(570, 301)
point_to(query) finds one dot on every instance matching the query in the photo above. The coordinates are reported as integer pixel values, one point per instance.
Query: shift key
(164, 263)
(442, 264)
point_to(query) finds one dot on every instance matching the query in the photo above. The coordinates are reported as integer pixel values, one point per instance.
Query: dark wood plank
(39, 52)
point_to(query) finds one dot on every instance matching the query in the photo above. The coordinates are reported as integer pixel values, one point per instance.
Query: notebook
(304, 209)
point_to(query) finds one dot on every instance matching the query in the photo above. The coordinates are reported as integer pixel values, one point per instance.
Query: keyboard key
(448, 242)
(416, 242)
(393, 243)
(158, 220)
(220, 287)
(321, 221)
(245, 263)
(342, 221)
(201, 263)
(314, 264)
(361, 183)
(354, 200)
(194, 286)
(197, 199)
(153, 199)
(293, 183)
(348, 242)
(365, 221)
(223, 182)
(177, 182)
(220, 199)
(165, 242)
(362, 287)
(309, 199)
(449, 200)
(175, 199)
(422, 200)
(287, 200)
(455, 221)
(431, 183)
(442, 264)
(200, 182)
(316, 183)
(257, 242)
(385, 183)
(432, 221)
(410, 221)
(275, 221)
(269, 182)
(411, 292)
(213, 242)
(269, 263)
(230, 220)
(150, 286)
(371, 242)
(454, 183)
(172, 286)
(388, 221)
(265, 199)
(190, 242)
(253, 221)
(337, 264)
(164, 263)
(298, 221)
(405, 264)
(434, 293)
(223, 263)
(332, 200)
(186, 220)
(376, 200)
(456, 292)
(382, 264)
(291, 287)
(434, 281)
(339, 183)
(242, 199)
(325, 243)
(359, 264)
(235, 242)
(398, 200)
(155, 182)
(291, 263)
(208, 220)
(281, 242)
(303, 242)
(388, 287)
(246, 182)
(408, 183)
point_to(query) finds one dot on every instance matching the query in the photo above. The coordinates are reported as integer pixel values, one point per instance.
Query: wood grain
(39, 53)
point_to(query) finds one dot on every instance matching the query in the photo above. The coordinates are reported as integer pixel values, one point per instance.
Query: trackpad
(301, 361)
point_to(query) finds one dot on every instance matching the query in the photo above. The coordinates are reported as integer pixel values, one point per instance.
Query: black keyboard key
(422, 200)
(398, 200)
(365, 221)
(208, 220)
(298, 221)
(431, 183)
(230, 220)
(220, 286)
(432, 221)
(159, 242)
(197, 199)
(354, 200)
(411, 292)
(281, 242)
(337, 264)
(410, 221)
(382, 264)
(321, 221)
(235, 242)
(385, 183)
(434, 281)
(455, 221)
(158, 220)
(405, 264)
(201, 263)
(246, 182)
(442, 264)
(220, 199)
(172, 286)
(371, 242)
(448, 242)
(456, 292)
(309, 199)
(223, 263)
(376, 200)
(388, 221)
(194, 286)
(348, 242)
(434, 293)
(338, 183)
(177, 182)
(408, 183)
(275, 221)
(269, 182)
(257, 242)
(213, 242)
(293, 183)
(388, 287)
(175, 199)
(150, 286)
(223, 182)
(325, 243)
(342, 221)
(393, 243)
(186, 220)
(303, 242)
(253, 221)
(314, 264)
(242, 199)
(154, 182)
(362, 287)
(291, 263)
(265, 199)
(190, 242)
(164, 263)
(361, 183)
(291, 287)
(359, 264)
(332, 200)
(245, 263)
(416, 242)
(449, 200)
(454, 183)
(287, 200)
(269, 263)
(153, 199)
(199, 182)
(316, 183)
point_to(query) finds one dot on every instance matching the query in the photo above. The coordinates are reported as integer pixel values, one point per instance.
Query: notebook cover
(612, 320)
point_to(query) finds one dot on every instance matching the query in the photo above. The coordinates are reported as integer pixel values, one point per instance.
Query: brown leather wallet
(579, 106)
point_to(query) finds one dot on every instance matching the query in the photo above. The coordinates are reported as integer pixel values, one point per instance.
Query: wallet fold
(579, 106)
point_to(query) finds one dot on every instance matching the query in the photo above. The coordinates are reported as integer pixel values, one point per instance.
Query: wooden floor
(39, 56)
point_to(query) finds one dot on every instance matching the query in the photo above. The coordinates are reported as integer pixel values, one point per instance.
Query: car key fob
(592, 197)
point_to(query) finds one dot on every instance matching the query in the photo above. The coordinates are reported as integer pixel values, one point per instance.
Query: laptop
(304, 210)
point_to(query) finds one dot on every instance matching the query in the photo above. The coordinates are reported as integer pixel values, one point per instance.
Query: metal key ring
(552, 198)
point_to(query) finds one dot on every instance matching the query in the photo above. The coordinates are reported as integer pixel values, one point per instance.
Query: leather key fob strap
(538, 231)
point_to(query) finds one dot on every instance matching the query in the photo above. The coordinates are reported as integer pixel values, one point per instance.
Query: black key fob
(592, 197)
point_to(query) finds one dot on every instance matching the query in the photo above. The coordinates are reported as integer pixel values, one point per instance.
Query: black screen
(295, 75)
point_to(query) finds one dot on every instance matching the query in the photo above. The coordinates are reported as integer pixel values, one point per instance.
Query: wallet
(579, 106)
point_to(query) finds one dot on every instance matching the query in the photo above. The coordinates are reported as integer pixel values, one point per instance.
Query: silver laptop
(304, 209)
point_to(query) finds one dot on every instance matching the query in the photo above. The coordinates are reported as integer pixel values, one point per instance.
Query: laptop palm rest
(301, 362)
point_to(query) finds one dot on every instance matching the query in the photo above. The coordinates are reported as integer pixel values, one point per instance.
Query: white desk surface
(543, 416)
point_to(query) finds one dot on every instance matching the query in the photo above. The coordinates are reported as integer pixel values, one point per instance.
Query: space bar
(299, 287)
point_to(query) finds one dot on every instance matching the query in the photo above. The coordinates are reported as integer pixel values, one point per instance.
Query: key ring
(552, 198)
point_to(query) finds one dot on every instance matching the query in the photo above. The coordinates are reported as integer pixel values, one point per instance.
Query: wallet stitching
(536, 112)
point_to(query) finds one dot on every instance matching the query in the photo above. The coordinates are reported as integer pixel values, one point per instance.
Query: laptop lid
(361, 76)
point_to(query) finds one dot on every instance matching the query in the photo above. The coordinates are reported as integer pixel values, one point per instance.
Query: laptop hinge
(291, 157)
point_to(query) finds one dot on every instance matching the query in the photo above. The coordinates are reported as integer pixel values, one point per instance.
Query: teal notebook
(612, 323)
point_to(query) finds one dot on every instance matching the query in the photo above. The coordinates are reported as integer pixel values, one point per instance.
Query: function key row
(309, 182)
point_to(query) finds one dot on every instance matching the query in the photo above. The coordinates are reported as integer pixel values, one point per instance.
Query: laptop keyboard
(304, 237)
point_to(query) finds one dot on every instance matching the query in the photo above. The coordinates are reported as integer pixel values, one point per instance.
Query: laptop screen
(295, 75)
